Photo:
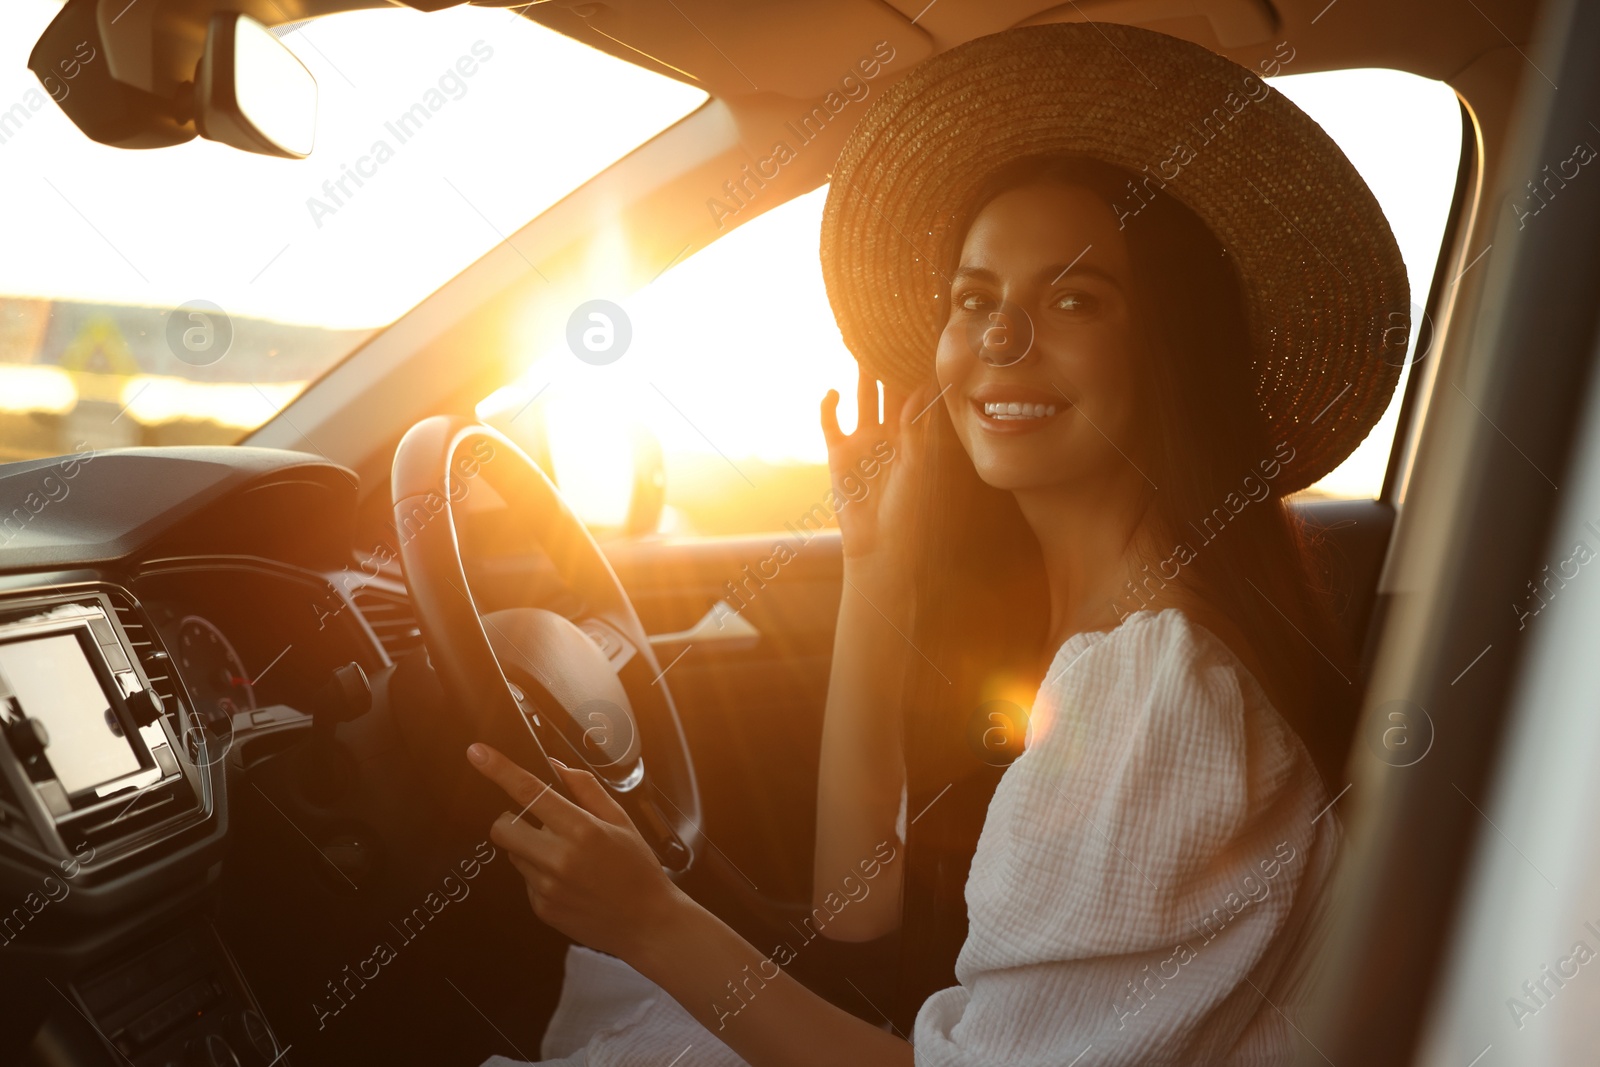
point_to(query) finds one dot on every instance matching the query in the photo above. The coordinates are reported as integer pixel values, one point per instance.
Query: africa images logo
(1210, 126)
(450, 85)
(853, 88)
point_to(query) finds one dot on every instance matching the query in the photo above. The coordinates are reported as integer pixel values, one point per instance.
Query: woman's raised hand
(875, 470)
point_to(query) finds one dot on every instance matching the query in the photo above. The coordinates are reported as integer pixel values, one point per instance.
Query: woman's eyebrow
(1050, 274)
(1054, 274)
(980, 273)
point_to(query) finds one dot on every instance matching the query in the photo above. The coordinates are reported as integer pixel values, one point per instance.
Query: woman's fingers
(523, 787)
(522, 841)
(830, 419)
(866, 400)
(917, 401)
(897, 403)
(534, 876)
(587, 791)
(894, 402)
(562, 819)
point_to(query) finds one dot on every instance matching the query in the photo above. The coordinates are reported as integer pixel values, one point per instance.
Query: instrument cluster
(244, 636)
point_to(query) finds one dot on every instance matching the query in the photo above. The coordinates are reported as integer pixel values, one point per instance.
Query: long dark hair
(982, 598)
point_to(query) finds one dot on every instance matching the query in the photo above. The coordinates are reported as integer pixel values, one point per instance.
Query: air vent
(146, 808)
(152, 656)
(392, 618)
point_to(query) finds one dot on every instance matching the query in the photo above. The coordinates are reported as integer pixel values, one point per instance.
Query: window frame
(1441, 295)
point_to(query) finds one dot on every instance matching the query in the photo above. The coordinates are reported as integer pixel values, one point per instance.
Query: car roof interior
(791, 45)
(796, 47)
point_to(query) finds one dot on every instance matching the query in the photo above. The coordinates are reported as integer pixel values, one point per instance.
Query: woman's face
(1042, 286)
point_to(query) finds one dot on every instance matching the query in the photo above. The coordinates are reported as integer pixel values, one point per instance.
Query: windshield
(185, 295)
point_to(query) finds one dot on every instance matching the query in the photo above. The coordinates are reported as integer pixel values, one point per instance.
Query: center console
(91, 754)
(112, 815)
(177, 1000)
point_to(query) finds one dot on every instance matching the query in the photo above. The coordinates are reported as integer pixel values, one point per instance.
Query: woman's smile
(1017, 409)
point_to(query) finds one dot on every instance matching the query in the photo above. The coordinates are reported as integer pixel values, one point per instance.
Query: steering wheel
(575, 679)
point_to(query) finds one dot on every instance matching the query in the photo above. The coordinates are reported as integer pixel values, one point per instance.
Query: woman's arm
(750, 1003)
(591, 876)
(861, 775)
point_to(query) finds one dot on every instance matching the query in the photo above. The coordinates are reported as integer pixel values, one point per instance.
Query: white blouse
(1147, 869)
(1146, 880)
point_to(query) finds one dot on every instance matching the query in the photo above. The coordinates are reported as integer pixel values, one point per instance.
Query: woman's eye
(976, 299)
(1082, 302)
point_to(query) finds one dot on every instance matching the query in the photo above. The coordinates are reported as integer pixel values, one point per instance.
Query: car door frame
(1476, 522)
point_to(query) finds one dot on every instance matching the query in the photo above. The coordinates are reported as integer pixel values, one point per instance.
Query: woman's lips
(1015, 410)
(1004, 415)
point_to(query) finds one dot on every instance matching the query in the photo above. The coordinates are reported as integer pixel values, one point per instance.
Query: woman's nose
(1002, 338)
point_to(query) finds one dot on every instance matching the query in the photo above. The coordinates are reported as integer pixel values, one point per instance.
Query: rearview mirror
(251, 92)
(153, 80)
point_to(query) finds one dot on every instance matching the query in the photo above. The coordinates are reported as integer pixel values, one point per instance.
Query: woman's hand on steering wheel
(589, 873)
(875, 470)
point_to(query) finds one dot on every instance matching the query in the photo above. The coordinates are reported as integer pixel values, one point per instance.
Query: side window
(1403, 134)
(727, 358)
(731, 351)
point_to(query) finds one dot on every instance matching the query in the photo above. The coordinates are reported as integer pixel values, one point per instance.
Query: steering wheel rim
(532, 681)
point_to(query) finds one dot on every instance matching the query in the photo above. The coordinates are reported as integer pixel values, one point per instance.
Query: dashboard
(221, 753)
(167, 618)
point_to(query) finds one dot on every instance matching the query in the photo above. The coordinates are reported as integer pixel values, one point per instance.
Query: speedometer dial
(211, 670)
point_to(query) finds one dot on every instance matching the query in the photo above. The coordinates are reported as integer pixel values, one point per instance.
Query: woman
(1122, 296)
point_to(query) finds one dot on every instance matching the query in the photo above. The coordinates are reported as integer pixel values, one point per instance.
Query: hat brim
(1325, 288)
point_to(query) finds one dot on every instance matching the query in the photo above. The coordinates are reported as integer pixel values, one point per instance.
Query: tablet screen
(50, 679)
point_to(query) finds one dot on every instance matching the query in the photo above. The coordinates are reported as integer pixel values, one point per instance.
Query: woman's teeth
(1013, 410)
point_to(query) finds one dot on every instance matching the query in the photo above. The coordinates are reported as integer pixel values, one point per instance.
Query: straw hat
(1326, 296)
